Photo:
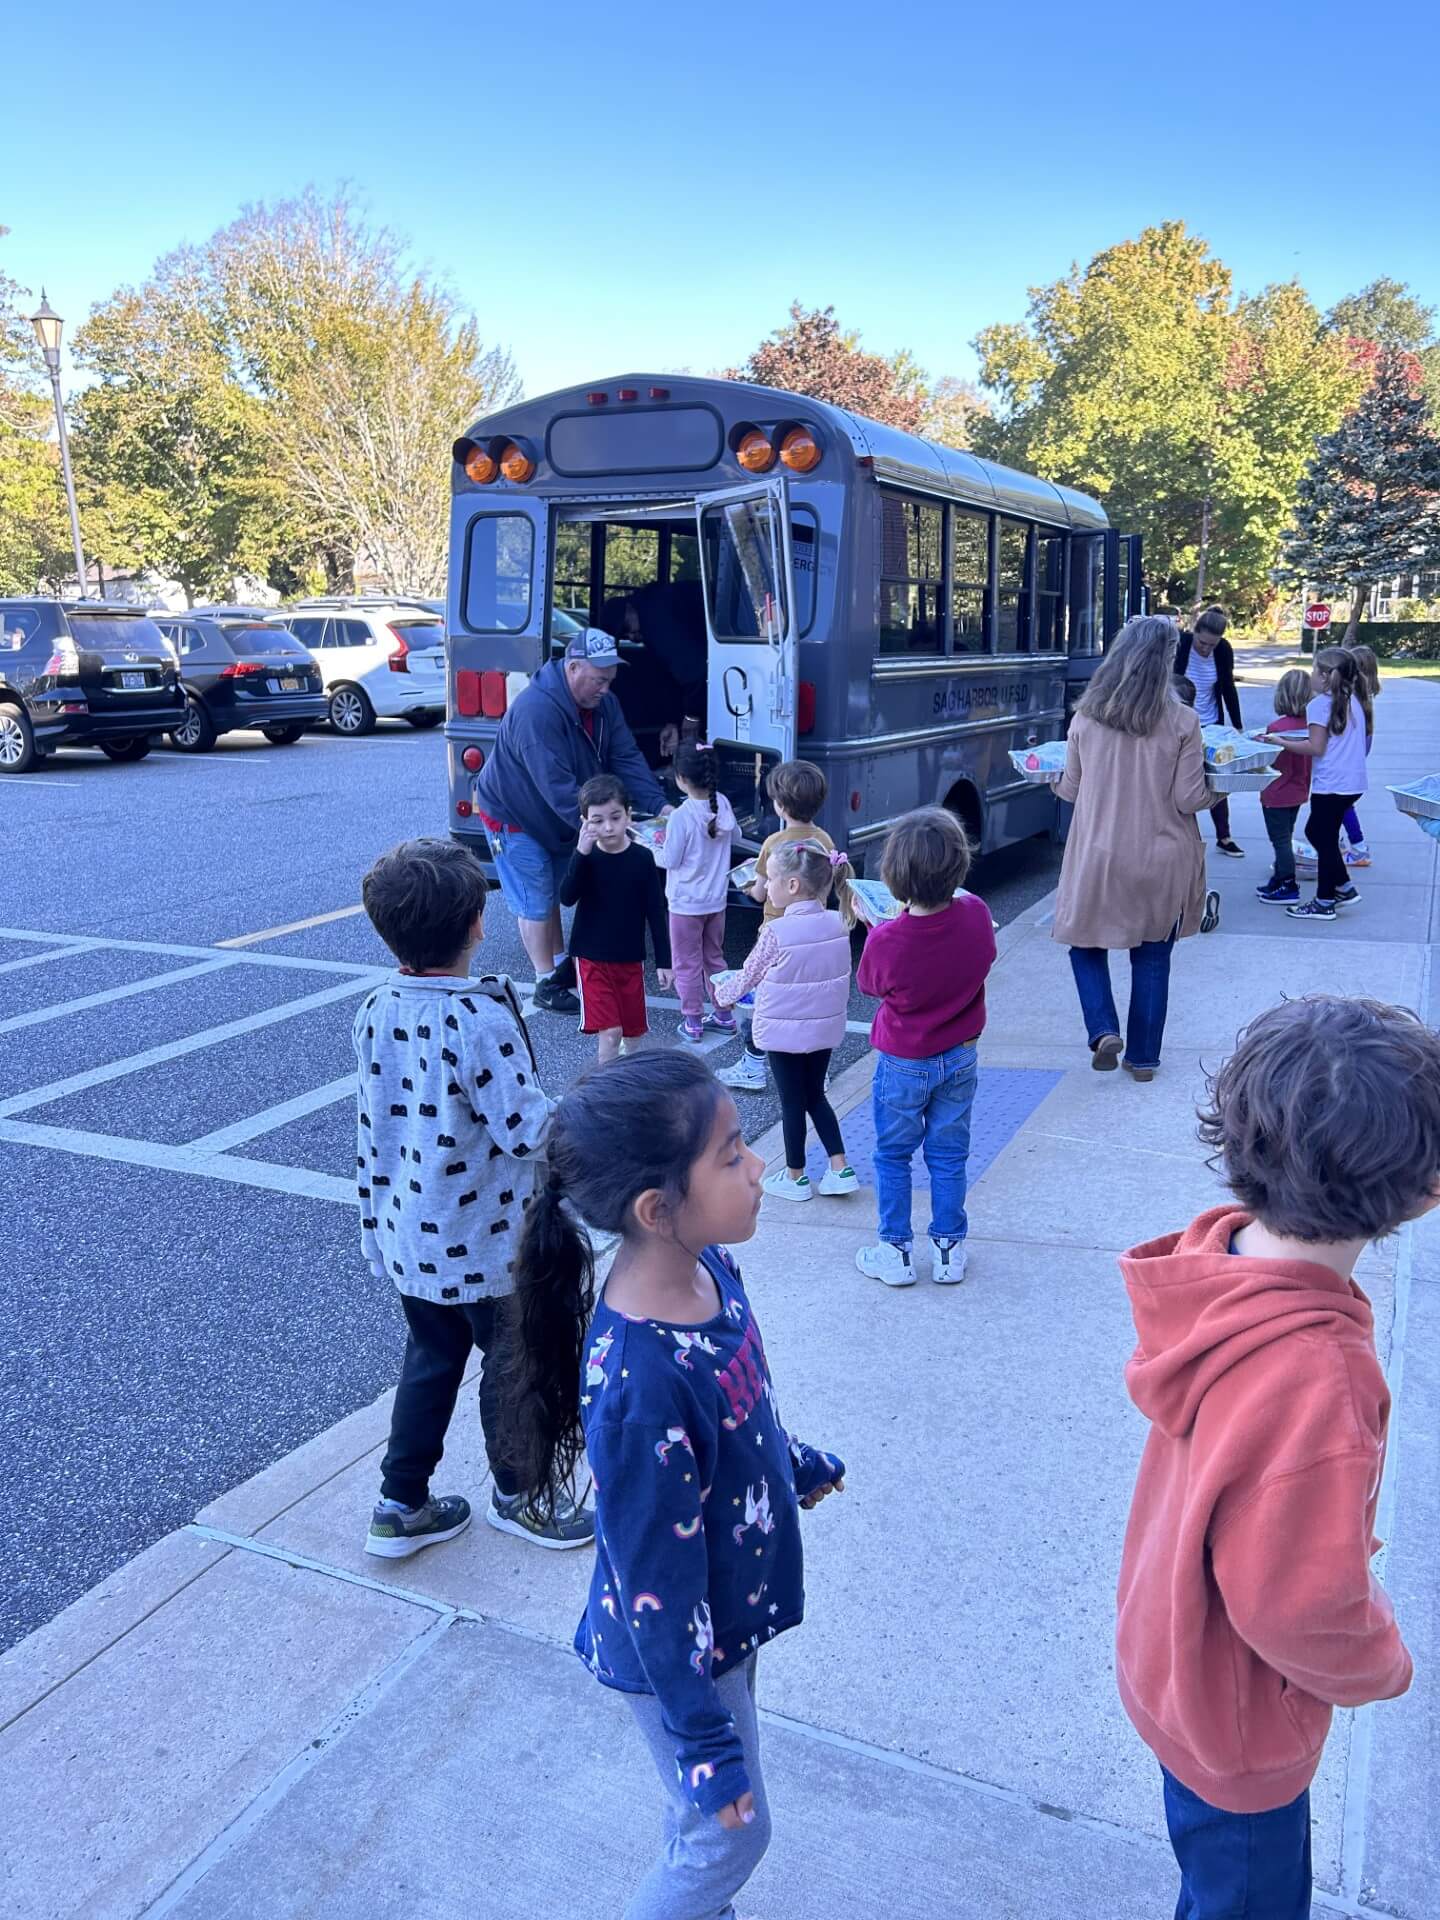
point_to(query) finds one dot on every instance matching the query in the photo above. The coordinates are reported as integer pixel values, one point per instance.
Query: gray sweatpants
(702, 1865)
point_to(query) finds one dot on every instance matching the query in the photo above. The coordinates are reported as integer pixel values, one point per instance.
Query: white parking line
(55, 953)
(211, 1166)
(166, 949)
(176, 1049)
(256, 1124)
(39, 1015)
(293, 926)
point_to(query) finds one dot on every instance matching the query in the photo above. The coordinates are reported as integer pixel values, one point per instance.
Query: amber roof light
(754, 452)
(516, 465)
(480, 466)
(800, 450)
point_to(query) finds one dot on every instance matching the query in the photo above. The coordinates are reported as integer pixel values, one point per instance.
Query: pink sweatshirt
(697, 866)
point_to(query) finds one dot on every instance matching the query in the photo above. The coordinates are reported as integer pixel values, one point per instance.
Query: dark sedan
(241, 669)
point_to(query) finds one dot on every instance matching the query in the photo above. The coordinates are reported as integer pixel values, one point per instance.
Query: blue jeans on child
(1239, 1866)
(924, 1104)
(1149, 997)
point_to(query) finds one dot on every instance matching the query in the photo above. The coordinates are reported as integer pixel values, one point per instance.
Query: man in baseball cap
(564, 728)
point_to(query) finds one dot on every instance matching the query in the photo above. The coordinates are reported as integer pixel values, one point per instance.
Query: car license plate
(132, 680)
(283, 686)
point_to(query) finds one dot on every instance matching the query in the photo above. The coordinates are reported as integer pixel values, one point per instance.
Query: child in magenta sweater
(1282, 800)
(927, 968)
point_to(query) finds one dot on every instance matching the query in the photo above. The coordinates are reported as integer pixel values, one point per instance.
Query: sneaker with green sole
(570, 1525)
(396, 1532)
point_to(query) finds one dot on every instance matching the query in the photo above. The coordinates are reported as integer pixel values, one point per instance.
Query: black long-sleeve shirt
(613, 895)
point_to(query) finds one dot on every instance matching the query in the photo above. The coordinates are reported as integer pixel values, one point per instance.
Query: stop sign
(1317, 617)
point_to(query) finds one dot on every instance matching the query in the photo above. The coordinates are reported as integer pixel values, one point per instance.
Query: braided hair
(700, 767)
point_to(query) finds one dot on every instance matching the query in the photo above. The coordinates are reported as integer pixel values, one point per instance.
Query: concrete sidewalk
(252, 1719)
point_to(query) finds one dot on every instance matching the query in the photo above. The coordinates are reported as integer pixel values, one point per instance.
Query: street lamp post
(47, 325)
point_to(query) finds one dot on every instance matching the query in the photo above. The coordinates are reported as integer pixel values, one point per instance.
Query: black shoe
(1229, 846)
(1346, 896)
(552, 999)
(397, 1532)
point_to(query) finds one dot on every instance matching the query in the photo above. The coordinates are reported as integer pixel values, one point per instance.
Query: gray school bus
(785, 578)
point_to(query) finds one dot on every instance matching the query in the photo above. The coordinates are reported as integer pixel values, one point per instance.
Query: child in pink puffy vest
(799, 972)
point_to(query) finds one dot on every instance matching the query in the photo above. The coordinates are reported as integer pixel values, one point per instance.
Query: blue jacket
(697, 1537)
(542, 756)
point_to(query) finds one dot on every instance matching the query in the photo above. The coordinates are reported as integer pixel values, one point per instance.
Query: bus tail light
(754, 452)
(481, 466)
(492, 695)
(516, 464)
(800, 450)
(628, 393)
(467, 694)
(805, 708)
(659, 393)
(464, 809)
(472, 759)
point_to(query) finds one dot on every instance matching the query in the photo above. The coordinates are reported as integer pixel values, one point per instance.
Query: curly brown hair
(1325, 1120)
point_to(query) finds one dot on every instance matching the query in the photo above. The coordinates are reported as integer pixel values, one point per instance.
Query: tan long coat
(1134, 862)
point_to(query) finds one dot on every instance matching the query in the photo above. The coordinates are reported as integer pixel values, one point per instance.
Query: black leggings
(437, 1352)
(800, 1082)
(1322, 830)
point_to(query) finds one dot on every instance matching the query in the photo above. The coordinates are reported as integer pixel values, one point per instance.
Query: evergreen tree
(1369, 504)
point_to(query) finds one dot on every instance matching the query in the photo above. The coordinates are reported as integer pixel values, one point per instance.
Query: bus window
(684, 556)
(1047, 602)
(1122, 580)
(1013, 613)
(632, 559)
(747, 597)
(499, 564)
(970, 546)
(911, 575)
(572, 569)
(805, 565)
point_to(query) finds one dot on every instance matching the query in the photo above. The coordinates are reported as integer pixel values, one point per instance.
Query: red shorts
(612, 994)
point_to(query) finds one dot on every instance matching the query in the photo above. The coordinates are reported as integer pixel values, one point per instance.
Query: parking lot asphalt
(184, 1299)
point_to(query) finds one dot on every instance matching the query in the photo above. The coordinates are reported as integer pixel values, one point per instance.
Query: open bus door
(747, 567)
(496, 612)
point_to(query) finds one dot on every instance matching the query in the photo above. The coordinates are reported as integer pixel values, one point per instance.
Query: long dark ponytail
(639, 1122)
(1342, 677)
(701, 767)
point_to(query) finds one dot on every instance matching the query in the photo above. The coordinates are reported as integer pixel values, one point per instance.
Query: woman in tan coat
(1134, 870)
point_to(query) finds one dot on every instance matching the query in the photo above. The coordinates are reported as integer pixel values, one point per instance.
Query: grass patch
(1410, 669)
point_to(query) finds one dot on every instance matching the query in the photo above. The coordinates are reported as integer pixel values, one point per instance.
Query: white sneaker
(843, 1182)
(886, 1262)
(748, 1075)
(947, 1267)
(784, 1188)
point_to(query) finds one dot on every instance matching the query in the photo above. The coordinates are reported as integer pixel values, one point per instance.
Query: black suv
(241, 667)
(82, 673)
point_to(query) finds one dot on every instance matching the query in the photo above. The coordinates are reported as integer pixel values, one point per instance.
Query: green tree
(34, 530)
(367, 371)
(1387, 314)
(1369, 504)
(170, 446)
(1140, 379)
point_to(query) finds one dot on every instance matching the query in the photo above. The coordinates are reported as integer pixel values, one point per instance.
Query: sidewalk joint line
(294, 1771)
(290, 1557)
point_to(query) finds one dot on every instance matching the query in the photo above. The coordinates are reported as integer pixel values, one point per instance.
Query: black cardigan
(1224, 657)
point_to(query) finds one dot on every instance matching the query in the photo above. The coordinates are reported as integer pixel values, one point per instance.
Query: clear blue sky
(648, 186)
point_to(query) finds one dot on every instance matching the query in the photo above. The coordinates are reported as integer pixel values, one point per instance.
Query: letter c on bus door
(737, 692)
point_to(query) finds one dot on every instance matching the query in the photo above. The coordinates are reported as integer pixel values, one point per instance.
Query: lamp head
(47, 324)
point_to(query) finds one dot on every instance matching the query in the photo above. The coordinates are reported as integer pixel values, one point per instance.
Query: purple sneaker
(690, 1031)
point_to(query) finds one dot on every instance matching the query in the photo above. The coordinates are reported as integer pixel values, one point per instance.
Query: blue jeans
(1149, 997)
(1239, 1866)
(529, 874)
(924, 1104)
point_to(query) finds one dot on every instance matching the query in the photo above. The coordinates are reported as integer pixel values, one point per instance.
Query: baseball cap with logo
(595, 646)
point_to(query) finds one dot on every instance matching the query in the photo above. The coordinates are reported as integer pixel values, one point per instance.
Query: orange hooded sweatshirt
(1247, 1609)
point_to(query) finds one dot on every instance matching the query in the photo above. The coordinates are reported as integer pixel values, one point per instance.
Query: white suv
(379, 659)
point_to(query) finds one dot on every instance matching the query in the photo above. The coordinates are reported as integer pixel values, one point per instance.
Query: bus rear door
(746, 565)
(498, 594)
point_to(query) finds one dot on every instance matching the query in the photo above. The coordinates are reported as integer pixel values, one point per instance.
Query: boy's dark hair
(799, 787)
(422, 898)
(1326, 1118)
(1213, 620)
(926, 857)
(600, 790)
(633, 1124)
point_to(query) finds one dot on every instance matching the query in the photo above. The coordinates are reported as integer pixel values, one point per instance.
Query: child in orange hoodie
(1247, 1608)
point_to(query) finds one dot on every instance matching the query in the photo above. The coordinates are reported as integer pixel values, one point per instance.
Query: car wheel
(135, 749)
(18, 753)
(282, 736)
(196, 731)
(422, 722)
(351, 712)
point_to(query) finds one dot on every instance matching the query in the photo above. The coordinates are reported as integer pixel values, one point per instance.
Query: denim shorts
(529, 875)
